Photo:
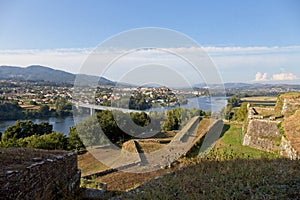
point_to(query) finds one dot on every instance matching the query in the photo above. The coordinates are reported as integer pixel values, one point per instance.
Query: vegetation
(49, 141)
(173, 120)
(241, 113)
(63, 106)
(40, 136)
(84, 183)
(11, 111)
(113, 126)
(230, 179)
(232, 102)
(26, 129)
(139, 102)
(229, 171)
(88, 164)
(229, 146)
(228, 161)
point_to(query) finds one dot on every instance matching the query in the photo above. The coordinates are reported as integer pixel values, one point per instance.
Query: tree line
(104, 128)
(40, 136)
(12, 111)
(235, 109)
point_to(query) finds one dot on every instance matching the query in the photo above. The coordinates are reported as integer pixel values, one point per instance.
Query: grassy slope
(292, 129)
(88, 164)
(260, 98)
(230, 146)
(231, 171)
(231, 179)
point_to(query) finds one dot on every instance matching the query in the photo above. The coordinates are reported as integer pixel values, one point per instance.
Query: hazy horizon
(247, 41)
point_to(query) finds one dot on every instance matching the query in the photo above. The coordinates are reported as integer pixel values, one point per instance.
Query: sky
(248, 41)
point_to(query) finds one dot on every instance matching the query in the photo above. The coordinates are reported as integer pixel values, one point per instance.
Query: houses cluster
(35, 93)
(29, 93)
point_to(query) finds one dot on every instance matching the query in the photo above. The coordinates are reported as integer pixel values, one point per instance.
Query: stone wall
(286, 149)
(49, 178)
(263, 135)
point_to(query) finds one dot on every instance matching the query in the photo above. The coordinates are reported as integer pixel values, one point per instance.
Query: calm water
(214, 104)
(62, 124)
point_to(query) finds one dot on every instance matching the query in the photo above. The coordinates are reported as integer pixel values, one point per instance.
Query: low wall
(132, 151)
(54, 178)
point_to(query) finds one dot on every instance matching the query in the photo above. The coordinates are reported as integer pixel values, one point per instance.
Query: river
(214, 104)
(62, 124)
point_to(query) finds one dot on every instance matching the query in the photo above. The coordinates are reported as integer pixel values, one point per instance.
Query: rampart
(36, 174)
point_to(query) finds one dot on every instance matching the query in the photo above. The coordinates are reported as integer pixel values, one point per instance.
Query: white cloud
(250, 50)
(284, 77)
(261, 77)
(275, 77)
(63, 59)
(234, 63)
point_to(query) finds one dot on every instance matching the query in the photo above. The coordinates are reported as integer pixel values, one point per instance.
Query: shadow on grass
(231, 179)
(226, 127)
(194, 152)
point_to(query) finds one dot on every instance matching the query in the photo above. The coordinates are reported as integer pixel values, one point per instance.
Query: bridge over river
(94, 107)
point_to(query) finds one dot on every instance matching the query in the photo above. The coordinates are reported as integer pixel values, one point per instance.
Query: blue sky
(244, 38)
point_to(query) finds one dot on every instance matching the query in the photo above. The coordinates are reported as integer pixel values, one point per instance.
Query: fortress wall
(286, 150)
(263, 135)
(55, 178)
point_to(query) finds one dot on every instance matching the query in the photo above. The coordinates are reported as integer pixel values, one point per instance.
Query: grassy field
(231, 179)
(292, 129)
(262, 98)
(88, 164)
(231, 171)
(229, 146)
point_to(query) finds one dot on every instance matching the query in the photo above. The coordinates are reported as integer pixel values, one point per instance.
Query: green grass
(230, 171)
(230, 146)
(230, 179)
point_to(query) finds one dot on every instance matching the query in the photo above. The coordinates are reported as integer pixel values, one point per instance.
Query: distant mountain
(226, 85)
(41, 73)
(236, 85)
(35, 73)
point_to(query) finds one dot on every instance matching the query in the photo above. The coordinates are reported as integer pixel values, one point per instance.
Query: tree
(110, 127)
(11, 111)
(74, 141)
(44, 110)
(90, 132)
(173, 119)
(25, 129)
(141, 119)
(43, 128)
(62, 106)
(33, 103)
(234, 101)
(241, 113)
(50, 141)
